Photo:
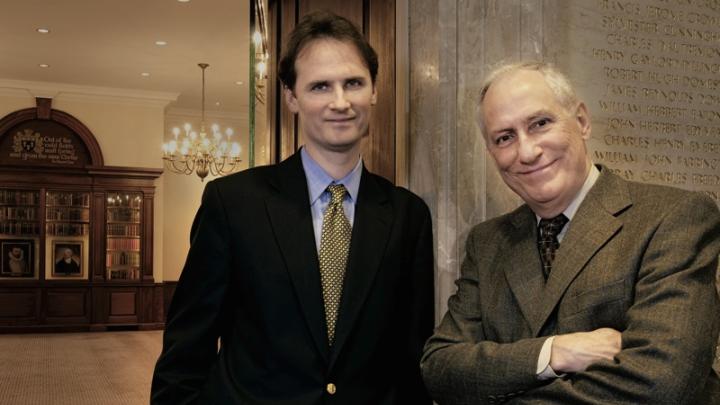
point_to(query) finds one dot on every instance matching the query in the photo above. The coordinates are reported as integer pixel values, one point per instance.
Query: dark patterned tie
(334, 247)
(548, 231)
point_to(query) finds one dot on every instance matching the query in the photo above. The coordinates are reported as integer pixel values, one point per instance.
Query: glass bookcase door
(122, 258)
(67, 231)
(19, 234)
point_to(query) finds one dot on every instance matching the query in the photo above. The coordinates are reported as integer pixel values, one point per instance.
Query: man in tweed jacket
(626, 311)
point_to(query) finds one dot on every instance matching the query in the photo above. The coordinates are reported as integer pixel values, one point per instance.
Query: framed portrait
(67, 258)
(19, 258)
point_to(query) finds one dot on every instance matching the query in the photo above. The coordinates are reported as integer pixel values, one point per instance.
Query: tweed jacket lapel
(291, 219)
(371, 229)
(593, 225)
(521, 262)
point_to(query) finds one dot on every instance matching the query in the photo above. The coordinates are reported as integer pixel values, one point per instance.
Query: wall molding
(87, 93)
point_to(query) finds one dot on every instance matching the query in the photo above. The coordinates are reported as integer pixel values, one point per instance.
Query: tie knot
(337, 193)
(551, 227)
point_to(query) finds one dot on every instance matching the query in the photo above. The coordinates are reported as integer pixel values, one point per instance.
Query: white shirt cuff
(543, 370)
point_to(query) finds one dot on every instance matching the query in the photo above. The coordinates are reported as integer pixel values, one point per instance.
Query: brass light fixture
(199, 153)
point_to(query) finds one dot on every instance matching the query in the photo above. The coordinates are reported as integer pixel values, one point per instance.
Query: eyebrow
(316, 82)
(539, 113)
(344, 80)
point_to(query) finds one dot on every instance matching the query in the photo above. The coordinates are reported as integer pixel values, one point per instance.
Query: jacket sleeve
(459, 365)
(672, 326)
(195, 317)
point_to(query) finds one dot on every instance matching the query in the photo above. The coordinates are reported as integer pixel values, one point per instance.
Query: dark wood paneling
(66, 303)
(350, 9)
(379, 149)
(145, 309)
(97, 261)
(19, 304)
(148, 226)
(123, 303)
(67, 306)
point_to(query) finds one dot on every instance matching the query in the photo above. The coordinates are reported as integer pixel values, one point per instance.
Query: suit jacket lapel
(592, 226)
(291, 219)
(371, 229)
(521, 262)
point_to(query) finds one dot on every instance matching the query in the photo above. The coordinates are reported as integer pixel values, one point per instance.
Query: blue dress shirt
(317, 182)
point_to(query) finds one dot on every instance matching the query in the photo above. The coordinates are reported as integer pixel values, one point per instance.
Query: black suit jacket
(251, 278)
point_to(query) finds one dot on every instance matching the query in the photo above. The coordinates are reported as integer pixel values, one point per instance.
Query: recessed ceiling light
(160, 43)
(44, 65)
(184, 1)
(145, 74)
(43, 30)
(239, 83)
(217, 103)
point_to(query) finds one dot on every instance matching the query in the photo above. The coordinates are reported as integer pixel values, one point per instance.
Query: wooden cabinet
(76, 236)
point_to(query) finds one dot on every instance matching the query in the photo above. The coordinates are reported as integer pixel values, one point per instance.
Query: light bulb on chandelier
(192, 152)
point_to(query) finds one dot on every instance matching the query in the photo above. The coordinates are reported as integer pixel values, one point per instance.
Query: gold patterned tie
(548, 231)
(334, 247)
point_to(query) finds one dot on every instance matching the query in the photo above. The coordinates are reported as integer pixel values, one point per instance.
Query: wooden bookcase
(76, 236)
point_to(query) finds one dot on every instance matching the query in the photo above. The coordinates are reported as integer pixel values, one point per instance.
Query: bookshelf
(123, 230)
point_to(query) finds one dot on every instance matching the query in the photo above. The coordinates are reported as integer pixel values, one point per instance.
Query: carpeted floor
(104, 368)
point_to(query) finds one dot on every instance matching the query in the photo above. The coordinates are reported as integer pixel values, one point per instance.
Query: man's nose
(340, 101)
(529, 149)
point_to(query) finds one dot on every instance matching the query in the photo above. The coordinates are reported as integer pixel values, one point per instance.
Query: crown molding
(90, 93)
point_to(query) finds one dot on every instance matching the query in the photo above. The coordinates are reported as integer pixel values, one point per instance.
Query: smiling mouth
(340, 120)
(537, 169)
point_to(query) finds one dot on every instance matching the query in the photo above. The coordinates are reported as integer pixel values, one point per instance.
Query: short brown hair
(321, 25)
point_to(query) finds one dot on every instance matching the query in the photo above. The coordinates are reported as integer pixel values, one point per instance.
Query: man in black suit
(315, 274)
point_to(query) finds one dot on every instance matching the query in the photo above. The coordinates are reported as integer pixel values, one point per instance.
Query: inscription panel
(42, 142)
(649, 71)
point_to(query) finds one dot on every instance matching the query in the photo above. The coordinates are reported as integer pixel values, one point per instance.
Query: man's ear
(290, 99)
(373, 100)
(583, 119)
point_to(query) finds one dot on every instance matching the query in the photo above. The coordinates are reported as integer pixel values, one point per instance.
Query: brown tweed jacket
(638, 258)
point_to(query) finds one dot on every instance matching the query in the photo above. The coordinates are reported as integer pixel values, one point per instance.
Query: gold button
(331, 389)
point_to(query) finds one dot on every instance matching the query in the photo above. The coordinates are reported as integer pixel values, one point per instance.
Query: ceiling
(106, 43)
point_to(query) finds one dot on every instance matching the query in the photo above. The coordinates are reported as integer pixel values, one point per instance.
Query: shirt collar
(575, 204)
(318, 180)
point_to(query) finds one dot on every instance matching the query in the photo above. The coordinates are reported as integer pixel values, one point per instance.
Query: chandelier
(199, 153)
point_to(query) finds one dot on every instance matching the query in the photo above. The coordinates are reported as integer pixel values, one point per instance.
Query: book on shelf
(19, 197)
(123, 259)
(67, 214)
(79, 199)
(66, 229)
(20, 228)
(123, 230)
(14, 213)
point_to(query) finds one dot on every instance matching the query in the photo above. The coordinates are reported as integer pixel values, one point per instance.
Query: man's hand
(574, 352)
